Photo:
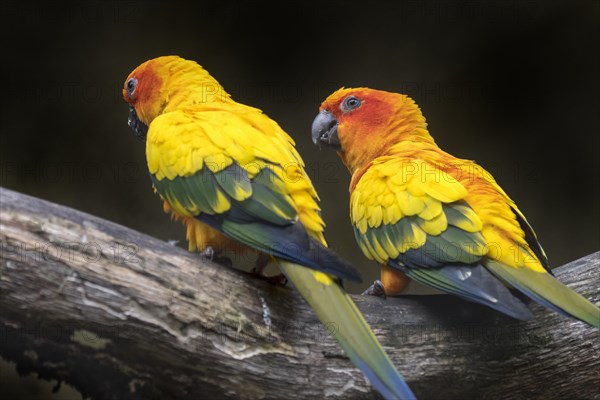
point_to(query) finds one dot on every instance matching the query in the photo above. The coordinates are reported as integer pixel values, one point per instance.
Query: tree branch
(121, 315)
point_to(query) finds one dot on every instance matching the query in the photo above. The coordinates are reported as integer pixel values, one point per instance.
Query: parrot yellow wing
(426, 229)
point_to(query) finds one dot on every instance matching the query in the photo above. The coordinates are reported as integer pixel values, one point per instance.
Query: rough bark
(121, 315)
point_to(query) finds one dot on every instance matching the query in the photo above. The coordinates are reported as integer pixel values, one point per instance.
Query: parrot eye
(130, 86)
(350, 103)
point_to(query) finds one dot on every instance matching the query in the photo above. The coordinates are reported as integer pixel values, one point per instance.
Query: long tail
(549, 291)
(332, 305)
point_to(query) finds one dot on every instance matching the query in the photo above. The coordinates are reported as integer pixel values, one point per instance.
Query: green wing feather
(266, 220)
(344, 321)
(547, 290)
(427, 230)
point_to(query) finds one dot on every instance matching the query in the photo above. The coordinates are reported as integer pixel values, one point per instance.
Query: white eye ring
(350, 103)
(130, 86)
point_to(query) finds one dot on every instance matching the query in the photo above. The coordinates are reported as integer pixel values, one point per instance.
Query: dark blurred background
(511, 84)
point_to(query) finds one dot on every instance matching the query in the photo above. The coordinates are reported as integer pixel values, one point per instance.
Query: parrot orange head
(164, 83)
(362, 124)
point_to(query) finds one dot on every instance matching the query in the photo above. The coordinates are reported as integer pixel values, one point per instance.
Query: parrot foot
(213, 255)
(208, 252)
(259, 269)
(376, 289)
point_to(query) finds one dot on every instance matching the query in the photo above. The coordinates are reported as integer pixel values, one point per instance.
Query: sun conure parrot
(441, 220)
(233, 176)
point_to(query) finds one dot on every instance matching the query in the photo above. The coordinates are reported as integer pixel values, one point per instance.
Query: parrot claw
(376, 289)
(210, 253)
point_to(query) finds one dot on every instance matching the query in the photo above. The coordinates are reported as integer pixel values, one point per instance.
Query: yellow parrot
(440, 220)
(234, 177)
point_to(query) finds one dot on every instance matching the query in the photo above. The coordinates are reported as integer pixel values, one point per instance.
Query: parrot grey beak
(324, 130)
(138, 127)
